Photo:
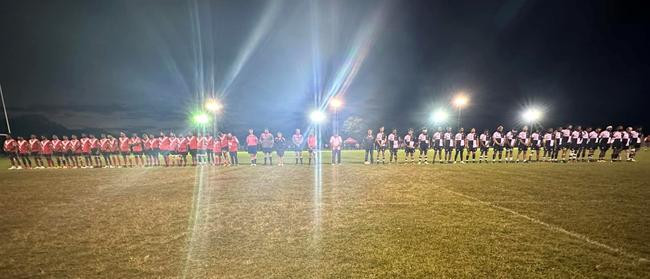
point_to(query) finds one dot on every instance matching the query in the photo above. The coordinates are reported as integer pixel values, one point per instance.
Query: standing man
(57, 147)
(11, 148)
(47, 150)
(35, 149)
(472, 145)
(511, 142)
(448, 144)
(460, 144)
(194, 147)
(85, 150)
(497, 144)
(335, 143)
(105, 148)
(251, 146)
(393, 144)
(535, 145)
(423, 143)
(409, 146)
(23, 152)
(522, 145)
(125, 149)
(484, 144)
(266, 140)
(380, 142)
(312, 145)
(548, 145)
(280, 144)
(437, 143)
(368, 145)
(297, 141)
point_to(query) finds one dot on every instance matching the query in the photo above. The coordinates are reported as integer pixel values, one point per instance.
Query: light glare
(532, 115)
(317, 116)
(460, 100)
(201, 118)
(213, 105)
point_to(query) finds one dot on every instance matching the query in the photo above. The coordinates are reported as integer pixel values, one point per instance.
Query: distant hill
(26, 125)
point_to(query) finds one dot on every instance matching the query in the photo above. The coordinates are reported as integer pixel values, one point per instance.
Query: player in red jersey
(105, 150)
(125, 149)
(202, 148)
(57, 147)
(312, 145)
(136, 147)
(35, 151)
(85, 150)
(225, 151)
(209, 149)
(10, 147)
(216, 151)
(67, 152)
(94, 151)
(165, 147)
(251, 146)
(155, 150)
(115, 151)
(23, 152)
(193, 142)
(146, 147)
(183, 144)
(76, 151)
(233, 147)
(46, 151)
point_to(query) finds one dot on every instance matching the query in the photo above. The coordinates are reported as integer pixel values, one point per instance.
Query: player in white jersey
(604, 143)
(565, 141)
(535, 145)
(557, 137)
(459, 143)
(576, 143)
(380, 144)
(497, 144)
(634, 137)
(484, 144)
(472, 144)
(409, 146)
(511, 143)
(393, 145)
(423, 143)
(448, 144)
(549, 145)
(438, 145)
(522, 144)
(617, 143)
(626, 142)
(592, 142)
(584, 144)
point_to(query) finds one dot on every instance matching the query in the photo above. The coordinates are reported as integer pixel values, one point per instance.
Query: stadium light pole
(335, 104)
(214, 106)
(4, 107)
(460, 101)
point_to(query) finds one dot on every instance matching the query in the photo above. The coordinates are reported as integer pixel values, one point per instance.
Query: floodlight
(317, 116)
(213, 105)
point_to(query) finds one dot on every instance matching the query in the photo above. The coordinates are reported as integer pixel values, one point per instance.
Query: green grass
(411, 221)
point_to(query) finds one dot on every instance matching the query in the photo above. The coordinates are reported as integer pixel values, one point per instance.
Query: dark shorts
(193, 152)
(280, 152)
(424, 146)
(224, 149)
(637, 145)
(297, 149)
(617, 144)
(36, 154)
(115, 152)
(182, 153)
(459, 145)
(58, 154)
(381, 148)
(498, 147)
(86, 153)
(12, 155)
(522, 147)
(592, 145)
(165, 152)
(484, 149)
(394, 150)
(565, 143)
(267, 150)
(208, 151)
(155, 152)
(604, 145)
(125, 153)
(535, 147)
(508, 147)
(138, 153)
(251, 149)
(23, 155)
(409, 150)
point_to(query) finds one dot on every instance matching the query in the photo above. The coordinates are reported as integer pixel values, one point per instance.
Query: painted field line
(552, 227)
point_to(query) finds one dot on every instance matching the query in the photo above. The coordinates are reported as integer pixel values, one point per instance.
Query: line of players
(110, 152)
(554, 145)
(558, 145)
(146, 151)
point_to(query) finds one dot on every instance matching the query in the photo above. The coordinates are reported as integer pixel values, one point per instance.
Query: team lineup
(563, 144)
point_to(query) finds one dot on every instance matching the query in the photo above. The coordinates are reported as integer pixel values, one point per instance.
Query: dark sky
(138, 64)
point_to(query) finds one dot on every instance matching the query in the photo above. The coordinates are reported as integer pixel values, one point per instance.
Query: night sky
(146, 65)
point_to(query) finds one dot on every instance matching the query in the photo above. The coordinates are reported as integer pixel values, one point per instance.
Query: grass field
(387, 221)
